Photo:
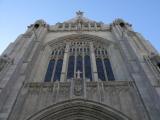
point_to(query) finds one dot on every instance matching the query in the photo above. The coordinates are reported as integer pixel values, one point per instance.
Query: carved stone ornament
(78, 87)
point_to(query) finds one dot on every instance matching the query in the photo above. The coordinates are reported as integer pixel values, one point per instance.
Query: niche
(36, 26)
(122, 24)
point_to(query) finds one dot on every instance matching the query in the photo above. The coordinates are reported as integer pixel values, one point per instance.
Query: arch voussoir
(79, 109)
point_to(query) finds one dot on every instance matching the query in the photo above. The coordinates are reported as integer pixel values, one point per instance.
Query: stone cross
(78, 74)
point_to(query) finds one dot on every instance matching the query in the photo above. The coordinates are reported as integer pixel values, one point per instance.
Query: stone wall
(120, 95)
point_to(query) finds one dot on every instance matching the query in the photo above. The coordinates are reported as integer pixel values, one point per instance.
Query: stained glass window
(88, 73)
(48, 75)
(100, 69)
(57, 73)
(109, 70)
(79, 65)
(52, 52)
(70, 72)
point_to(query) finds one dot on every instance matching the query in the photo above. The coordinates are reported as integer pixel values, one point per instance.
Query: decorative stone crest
(78, 84)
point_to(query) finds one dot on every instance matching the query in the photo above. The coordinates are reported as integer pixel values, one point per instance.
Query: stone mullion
(104, 68)
(93, 63)
(75, 61)
(55, 64)
(83, 55)
(64, 66)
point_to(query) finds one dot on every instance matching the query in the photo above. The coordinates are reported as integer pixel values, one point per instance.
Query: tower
(80, 70)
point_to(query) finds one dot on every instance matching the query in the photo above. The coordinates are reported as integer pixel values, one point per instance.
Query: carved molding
(78, 87)
(78, 108)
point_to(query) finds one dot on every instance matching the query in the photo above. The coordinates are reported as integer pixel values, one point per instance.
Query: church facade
(80, 70)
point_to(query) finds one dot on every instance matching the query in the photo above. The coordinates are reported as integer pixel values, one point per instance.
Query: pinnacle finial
(79, 13)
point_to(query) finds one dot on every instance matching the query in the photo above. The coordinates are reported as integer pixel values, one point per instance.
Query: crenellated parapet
(79, 23)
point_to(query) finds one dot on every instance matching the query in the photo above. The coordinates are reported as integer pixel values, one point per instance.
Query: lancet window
(55, 64)
(79, 60)
(104, 68)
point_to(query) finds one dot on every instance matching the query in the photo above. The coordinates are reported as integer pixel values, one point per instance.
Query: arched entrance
(78, 109)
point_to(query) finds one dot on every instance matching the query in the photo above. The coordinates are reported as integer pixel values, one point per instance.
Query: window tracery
(79, 59)
(104, 68)
(53, 72)
(58, 69)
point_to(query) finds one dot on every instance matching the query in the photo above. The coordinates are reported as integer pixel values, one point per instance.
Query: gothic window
(66, 25)
(79, 64)
(106, 52)
(70, 72)
(99, 52)
(98, 25)
(48, 75)
(103, 52)
(100, 69)
(60, 25)
(73, 26)
(59, 53)
(109, 70)
(57, 73)
(86, 25)
(92, 25)
(79, 57)
(63, 52)
(88, 73)
(56, 52)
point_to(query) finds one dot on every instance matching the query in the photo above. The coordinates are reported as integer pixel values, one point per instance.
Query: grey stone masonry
(80, 69)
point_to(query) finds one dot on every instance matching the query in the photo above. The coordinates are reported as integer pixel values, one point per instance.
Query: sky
(16, 15)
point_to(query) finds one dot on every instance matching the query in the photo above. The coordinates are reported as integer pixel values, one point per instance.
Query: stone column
(65, 63)
(93, 63)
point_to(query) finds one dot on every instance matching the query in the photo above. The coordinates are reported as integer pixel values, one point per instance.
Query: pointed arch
(79, 109)
(73, 37)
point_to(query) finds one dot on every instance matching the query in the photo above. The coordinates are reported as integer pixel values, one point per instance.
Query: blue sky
(16, 15)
